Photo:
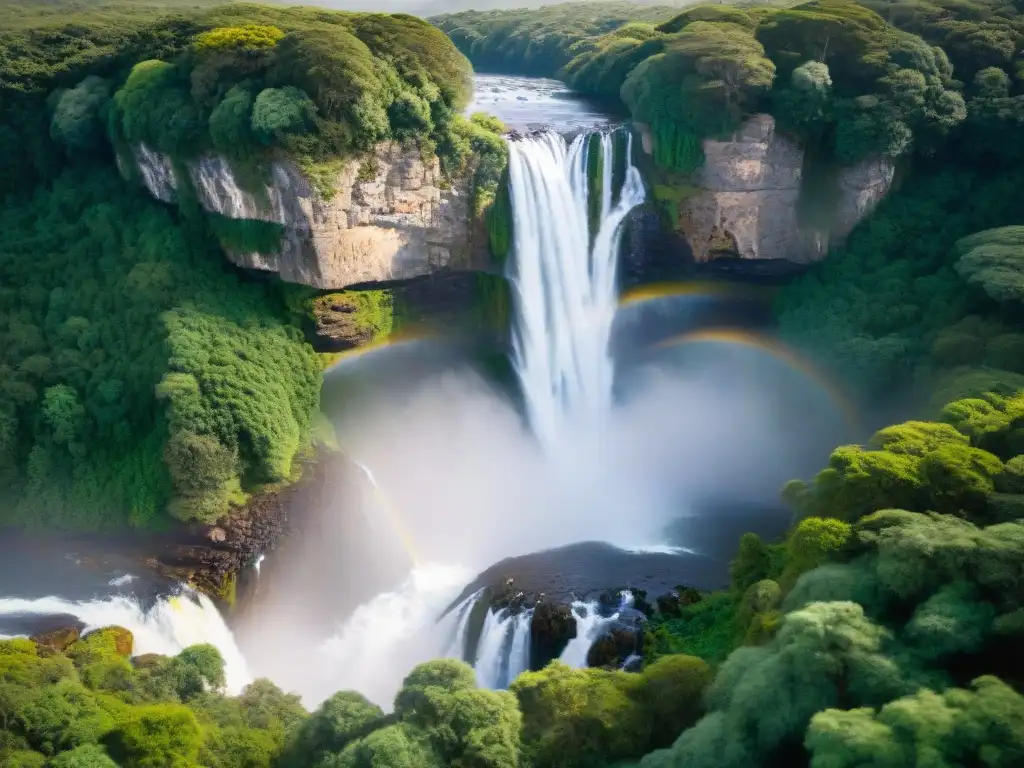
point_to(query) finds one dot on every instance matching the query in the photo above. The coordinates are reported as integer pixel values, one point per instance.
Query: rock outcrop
(391, 216)
(57, 640)
(745, 203)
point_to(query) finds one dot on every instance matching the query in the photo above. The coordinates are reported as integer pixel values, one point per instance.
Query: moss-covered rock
(56, 640)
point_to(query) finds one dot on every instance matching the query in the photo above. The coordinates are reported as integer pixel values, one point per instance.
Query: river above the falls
(535, 103)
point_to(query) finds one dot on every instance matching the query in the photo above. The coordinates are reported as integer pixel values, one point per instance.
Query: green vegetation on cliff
(852, 82)
(139, 373)
(240, 79)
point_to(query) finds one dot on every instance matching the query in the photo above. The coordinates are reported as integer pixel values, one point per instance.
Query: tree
(77, 118)
(156, 736)
(281, 111)
(982, 725)
(994, 260)
(89, 756)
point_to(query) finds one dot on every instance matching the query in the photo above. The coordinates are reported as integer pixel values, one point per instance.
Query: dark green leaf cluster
(91, 706)
(135, 366)
(892, 307)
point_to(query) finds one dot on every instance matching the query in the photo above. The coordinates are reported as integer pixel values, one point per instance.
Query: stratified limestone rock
(746, 200)
(747, 205)
(861, 188)
(391, 216)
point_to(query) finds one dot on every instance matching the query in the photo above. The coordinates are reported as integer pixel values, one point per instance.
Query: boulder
(551, 629)
(614, 646)
(670, 603)
(57, 640)
(120, 638)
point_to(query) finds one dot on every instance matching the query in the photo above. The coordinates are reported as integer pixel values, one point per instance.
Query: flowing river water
(449, 474)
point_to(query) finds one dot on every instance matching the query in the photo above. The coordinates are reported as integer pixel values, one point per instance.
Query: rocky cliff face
(748, 189)
(391, 216)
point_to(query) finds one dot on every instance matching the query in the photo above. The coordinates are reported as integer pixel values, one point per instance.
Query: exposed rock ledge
(748, 186)
(391, 216)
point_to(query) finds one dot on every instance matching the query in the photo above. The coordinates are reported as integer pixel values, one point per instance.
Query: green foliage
(278, 112)
(247, 38)
(993, 260)
(246, 235)
(77, 121)
(82, 355)
(156, 736)
(977, 726)
(873, 311)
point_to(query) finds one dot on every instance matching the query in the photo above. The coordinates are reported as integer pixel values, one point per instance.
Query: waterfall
(589, 625)
(503, 652)
(456, 648)
(168, 627)
(564, 285)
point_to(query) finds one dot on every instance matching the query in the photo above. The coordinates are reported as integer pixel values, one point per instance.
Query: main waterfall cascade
(564, 281)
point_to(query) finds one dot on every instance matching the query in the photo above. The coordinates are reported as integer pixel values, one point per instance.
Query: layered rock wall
(748, 188)
(391, 216)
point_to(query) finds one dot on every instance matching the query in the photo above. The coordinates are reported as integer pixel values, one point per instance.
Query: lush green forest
(139, 374)
(882, 631)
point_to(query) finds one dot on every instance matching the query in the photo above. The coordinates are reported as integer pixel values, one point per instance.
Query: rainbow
(670, 290)
(776, 351)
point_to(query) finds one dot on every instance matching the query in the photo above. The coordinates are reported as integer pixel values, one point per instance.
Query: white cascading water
(170, 626)
(564, 284)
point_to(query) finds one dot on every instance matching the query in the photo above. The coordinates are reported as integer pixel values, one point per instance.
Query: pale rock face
(748, 192)
(861, 188)
(399, 224)
(157, 173)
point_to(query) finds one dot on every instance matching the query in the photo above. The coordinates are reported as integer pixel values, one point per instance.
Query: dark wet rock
(209, 557)
(671, 602)
(57, 640)
(583, 572)
(551, 629)
(612, 648)
(148, 660)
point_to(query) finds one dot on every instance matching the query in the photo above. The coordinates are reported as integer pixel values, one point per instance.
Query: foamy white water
(564, 286)
(383, 639)
(169, 627)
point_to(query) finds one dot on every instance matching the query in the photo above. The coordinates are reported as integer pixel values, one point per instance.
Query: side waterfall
(168, 627)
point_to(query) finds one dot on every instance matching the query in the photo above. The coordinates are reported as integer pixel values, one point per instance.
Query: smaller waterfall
(457, 644)
(167, 628)
(503, 652)
(589, 625)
